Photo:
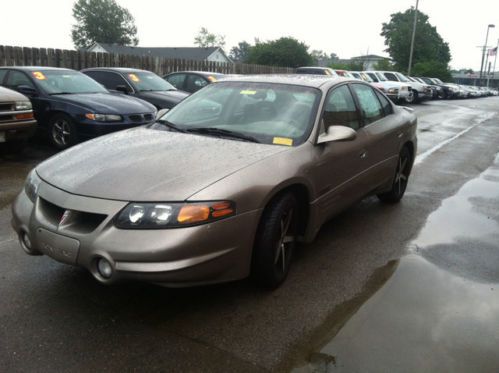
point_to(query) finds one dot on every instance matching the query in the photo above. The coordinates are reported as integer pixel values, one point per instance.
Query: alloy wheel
(61, 132)
(402, 174)
(284, 245)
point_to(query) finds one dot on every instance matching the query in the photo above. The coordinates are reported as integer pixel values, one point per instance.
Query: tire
(412, 98)
(275, 242)
(62, 131)
(402, 172)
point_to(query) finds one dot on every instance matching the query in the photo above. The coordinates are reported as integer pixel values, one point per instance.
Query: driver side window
(340, 109)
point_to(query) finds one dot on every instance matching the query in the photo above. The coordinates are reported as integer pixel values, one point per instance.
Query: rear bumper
(18, 130)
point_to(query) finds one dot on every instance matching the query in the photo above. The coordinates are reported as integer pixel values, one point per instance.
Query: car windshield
(56, 82)
(147, 81)
(438, 81)
(265, 112)
(403, 78)
(366, 77)
(427, 80)
(381, 77)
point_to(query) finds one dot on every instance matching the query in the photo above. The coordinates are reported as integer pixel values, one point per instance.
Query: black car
(138, 83)
(192, 81)
(72, 106)
(447, 90)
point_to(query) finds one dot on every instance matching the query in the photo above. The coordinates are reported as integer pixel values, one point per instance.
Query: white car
(419, 91)
(396, 91)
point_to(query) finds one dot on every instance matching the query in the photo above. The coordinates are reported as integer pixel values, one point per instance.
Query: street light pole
(494, 69)
(412, 38)
(484, 48)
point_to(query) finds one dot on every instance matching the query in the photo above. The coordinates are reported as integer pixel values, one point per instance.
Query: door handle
(363, 154)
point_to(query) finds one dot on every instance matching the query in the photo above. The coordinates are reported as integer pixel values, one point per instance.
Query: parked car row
(402, 88)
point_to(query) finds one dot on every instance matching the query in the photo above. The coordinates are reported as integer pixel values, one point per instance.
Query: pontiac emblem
(65, 217)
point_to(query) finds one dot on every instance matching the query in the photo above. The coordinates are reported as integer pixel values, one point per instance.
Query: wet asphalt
(411, 287)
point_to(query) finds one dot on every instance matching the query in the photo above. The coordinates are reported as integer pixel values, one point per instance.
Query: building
(212, 54)
(369, 61)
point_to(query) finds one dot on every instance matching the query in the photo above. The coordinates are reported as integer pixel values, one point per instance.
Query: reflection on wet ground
(440, 309)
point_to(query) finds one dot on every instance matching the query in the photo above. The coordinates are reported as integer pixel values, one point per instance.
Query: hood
(165, 96)
(107, 103)
(146, 164)
(10, 95)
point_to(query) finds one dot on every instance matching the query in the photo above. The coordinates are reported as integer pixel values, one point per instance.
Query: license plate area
(61, 248)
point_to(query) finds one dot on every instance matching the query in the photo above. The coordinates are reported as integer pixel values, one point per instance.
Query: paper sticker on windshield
(327, 72)
(248, 92)
(212, 79)
(282, 141)
(134, 78)
(38, 75)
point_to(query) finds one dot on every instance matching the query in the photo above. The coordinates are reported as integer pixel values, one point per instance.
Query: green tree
(240, 52)
(350, 65)
(384, 65)
(206, 39)
(285, 51)
(428, 44)
(432, 69)
(102, 21)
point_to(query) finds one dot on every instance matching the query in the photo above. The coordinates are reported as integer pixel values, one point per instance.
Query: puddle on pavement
(439, 311)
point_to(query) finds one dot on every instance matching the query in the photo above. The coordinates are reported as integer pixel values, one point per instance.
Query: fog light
(104, 267)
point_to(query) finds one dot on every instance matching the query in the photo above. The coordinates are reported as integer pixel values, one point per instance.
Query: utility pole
(484, 49)
(412, 38)
(494, 69)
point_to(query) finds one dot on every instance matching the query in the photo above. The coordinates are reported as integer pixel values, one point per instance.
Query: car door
(109, 79)
(177, 80)
(339, 166)
(383, 128)
(195, 82)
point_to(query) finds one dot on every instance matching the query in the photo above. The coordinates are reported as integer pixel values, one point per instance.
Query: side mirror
(123, 89)
(337, 133)
(27, 90)
(161, 112)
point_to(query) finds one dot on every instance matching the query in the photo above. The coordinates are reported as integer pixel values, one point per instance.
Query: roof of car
(196, 72)
(117, 69)
(34, 68)
(293, 79)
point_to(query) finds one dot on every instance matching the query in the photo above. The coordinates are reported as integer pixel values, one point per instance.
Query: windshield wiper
(171, 125)
(61, 93)
(222, 133)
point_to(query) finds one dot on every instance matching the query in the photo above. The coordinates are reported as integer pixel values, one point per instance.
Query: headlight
(23, 105)
(31, 185)
(104, 117)
(393, 90)
(172, 215)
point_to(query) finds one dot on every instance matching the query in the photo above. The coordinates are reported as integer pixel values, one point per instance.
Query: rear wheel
(401, 178)
(62, 132)
(275, 241)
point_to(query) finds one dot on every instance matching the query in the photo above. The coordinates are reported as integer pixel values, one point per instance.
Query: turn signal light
(24, 116)
(193, 214)
(190, 214)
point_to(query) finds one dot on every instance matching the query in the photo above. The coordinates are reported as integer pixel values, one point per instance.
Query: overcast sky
(347, 28)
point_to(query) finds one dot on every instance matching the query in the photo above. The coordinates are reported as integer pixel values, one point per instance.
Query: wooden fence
(77, 60)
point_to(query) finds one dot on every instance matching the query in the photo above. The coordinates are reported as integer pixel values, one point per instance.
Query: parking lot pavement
(364, 262)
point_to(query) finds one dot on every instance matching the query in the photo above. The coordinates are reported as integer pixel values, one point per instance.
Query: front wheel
(412, 98)
(62, 131)
(275, 241)
(400, 179)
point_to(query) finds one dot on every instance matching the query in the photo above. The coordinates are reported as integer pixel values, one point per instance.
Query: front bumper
(210, 253)
(18, 130)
